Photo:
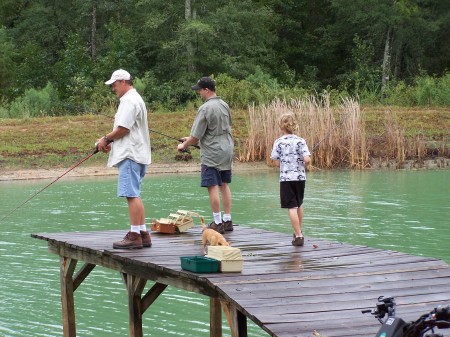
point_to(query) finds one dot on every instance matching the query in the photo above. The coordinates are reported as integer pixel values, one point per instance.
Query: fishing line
(341, 121)
(51, 183)
(177, 139)
(84, 109)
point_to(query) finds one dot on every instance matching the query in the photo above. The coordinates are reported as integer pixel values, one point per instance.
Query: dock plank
(288, 291)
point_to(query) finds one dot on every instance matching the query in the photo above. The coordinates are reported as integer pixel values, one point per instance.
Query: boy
(291, 154)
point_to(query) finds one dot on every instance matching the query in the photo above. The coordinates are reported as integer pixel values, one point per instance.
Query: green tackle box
(199, 264)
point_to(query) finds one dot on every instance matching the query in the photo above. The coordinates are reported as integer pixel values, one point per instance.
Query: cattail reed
(335, 136)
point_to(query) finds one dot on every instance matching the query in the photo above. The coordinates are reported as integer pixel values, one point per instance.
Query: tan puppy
(212, 237)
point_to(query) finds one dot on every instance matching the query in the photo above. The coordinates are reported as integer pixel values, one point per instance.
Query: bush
(34, 103)
(432, 91)
(425, 91)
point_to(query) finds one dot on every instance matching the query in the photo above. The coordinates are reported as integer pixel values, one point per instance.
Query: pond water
(406, 211)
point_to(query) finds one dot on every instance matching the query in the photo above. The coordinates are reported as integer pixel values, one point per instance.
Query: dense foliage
(55, 55)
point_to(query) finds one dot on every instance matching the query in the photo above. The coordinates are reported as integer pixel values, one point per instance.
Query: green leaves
(299, 45)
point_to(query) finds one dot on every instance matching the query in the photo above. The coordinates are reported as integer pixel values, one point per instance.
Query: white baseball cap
(119, 75)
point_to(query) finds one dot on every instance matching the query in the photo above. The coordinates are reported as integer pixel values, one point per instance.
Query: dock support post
(67, 268)
(236, 320)
(135, 287)
(215, 317)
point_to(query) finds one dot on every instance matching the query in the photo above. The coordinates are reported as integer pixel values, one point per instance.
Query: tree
(401, 30)
(8, 66)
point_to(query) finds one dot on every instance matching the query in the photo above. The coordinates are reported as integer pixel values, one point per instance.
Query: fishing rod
(51, 183)
(84, 109)
(177, 139)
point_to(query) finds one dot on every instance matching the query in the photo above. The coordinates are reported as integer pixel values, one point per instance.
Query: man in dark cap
(212, 132)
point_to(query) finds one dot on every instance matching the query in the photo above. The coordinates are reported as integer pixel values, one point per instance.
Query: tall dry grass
(335, 135)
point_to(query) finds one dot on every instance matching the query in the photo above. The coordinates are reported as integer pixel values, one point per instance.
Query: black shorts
(211, 176)
(292, 193)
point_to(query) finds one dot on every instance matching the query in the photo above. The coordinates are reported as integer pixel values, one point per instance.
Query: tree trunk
(189, 14)
(94, 31)
(398, 62)
(386, 71)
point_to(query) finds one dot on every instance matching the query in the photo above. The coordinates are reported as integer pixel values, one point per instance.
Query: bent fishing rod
(51, 183)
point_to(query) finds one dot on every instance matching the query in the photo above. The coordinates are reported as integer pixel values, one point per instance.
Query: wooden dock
(315, 290)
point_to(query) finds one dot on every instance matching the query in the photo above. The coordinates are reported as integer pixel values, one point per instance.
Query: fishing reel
(184, 155)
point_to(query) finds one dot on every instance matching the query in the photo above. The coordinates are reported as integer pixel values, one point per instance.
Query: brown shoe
(217, 227)
(298, 241)
(146, 239)
(228, 226)
(131, 241)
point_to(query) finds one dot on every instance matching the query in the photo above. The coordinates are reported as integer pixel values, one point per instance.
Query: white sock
(217, 218)
(136, 229)
(143, 227)
(226, 217)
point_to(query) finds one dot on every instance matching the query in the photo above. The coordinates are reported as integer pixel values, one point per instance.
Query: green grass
(50, 142)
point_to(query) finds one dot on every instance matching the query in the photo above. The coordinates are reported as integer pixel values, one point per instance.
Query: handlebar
(437, 318)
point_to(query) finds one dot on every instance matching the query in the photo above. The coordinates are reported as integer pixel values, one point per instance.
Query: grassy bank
(62, 141)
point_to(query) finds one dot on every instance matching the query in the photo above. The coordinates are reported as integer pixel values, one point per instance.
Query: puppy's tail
(202, 220)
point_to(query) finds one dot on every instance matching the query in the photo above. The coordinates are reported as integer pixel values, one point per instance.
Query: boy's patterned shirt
(290, 150)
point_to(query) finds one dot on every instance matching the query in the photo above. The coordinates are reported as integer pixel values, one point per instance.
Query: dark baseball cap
(205, 83)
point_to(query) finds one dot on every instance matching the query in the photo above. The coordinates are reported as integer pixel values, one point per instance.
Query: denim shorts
(213, 177)
(130, 178)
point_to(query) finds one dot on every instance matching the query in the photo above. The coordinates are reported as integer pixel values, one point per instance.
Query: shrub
(34, 103)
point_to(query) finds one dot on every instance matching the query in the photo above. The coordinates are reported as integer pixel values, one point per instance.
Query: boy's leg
(300, 218)
(293, 216)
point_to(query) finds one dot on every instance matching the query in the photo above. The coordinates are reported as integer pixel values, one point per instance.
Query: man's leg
(214, 198)
(136, 211)
(226, 198)
(133, 238)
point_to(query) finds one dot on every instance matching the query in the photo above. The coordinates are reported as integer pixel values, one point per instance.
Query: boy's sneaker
(298, 241)
(227, 225)
(217, 227)
(131, 241)
(146, 239)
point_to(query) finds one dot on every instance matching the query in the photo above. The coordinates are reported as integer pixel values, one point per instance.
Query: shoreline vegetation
(344, 136)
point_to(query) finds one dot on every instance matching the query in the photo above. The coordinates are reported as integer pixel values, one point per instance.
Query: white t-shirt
(131, 114)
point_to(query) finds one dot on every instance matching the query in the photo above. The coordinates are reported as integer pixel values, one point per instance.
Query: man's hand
(181, 147)
(103, 145)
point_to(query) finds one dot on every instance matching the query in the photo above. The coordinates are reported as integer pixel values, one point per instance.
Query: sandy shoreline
(192, 167)
(88, 171)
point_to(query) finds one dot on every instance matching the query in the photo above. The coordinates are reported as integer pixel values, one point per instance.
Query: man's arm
(104, 143)
(187, 141)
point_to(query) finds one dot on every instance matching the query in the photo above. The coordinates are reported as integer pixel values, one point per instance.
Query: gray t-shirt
(212, 126)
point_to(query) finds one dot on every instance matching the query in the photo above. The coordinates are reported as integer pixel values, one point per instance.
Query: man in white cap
(129, 146)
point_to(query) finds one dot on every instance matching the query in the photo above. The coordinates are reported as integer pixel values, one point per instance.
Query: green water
(407, 211)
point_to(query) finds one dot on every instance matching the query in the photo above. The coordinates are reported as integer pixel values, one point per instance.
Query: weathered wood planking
(286, 290)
